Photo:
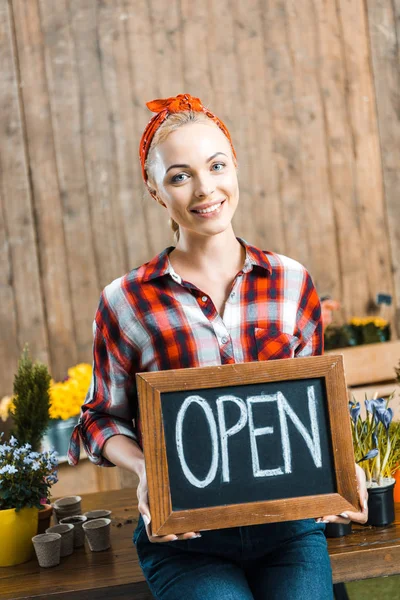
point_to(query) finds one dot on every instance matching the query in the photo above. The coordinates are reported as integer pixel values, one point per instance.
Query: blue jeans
(275, 561)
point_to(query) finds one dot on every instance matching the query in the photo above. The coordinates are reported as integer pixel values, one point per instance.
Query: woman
(211, 299)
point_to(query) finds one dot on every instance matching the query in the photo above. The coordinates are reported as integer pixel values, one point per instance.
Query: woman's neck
(221, 253)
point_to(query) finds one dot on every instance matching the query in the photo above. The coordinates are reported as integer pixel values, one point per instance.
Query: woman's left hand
(357, 517)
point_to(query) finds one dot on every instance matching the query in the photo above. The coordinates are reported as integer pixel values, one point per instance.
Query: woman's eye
(179, 178)
(218, 166)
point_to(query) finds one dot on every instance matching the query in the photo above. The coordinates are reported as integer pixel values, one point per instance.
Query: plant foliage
(25, 475)
(376, 439)
(31, 401)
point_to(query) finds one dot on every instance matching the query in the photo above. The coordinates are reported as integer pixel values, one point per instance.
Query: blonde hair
(172, 123)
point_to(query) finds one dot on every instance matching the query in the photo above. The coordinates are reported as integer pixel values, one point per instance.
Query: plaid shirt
(151, 319)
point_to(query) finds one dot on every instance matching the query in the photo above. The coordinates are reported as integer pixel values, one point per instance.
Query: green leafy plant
(357, 331)
(31, 401)
(376, 439)
(25, 475)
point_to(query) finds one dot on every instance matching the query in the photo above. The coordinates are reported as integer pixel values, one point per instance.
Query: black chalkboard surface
(242, 444)
(247, 443)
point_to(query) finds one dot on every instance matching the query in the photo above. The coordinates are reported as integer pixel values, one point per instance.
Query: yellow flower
(363, 321)
(68, 396)
(6, 405)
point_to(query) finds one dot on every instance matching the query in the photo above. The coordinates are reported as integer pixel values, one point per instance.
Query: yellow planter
(17, 530)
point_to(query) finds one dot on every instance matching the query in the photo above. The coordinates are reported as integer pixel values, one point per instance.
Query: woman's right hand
(143, 506)
(126, 454)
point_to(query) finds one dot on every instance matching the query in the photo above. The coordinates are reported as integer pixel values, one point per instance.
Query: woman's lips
(214, 209)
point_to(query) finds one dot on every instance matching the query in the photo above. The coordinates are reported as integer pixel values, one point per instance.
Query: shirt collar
(254, 257)
(160, 264)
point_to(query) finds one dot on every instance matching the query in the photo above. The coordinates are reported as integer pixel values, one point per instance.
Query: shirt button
(224, 340)
(204, 298)
(233, 294)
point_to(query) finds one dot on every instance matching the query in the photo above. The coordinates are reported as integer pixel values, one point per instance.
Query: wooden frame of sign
(168, 516)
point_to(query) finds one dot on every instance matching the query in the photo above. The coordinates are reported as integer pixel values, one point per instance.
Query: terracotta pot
(44, 516)
(397, 486)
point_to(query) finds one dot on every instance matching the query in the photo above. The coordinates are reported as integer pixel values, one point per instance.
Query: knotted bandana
(166, 107)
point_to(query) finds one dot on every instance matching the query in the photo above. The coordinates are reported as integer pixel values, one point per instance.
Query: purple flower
(354, 411)
(375, 408)
(385, 417)
(371, 454)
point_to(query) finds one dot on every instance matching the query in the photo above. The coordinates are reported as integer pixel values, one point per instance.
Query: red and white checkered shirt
(151, 320)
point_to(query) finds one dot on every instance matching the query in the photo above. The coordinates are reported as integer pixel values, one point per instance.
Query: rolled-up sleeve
(110, 407)
(309, 321)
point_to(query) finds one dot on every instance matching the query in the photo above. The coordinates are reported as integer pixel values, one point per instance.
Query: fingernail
(344, 515)
(365, 504)
(196, 536)
(323, 521)
(146, 519)
(174, 538)
(318, 520)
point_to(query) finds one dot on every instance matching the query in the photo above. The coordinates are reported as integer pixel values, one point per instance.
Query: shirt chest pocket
(272, 347)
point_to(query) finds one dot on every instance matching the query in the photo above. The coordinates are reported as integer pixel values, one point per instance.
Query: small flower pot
(67, 507)
(97, 534)
(381, 505)
(77, 521)
(66, 530)
(44, 516)
(47, 547)
(335, 530)
(97, 514)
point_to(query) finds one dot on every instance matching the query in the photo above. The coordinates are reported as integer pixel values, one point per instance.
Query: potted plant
(66, 399)
(25, 478)
(377, 449)
(356, 332)
(31, 401)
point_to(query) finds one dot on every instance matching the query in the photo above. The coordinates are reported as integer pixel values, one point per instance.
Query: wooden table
(367, 552)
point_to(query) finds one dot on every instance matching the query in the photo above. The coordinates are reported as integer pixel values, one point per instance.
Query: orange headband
(166, 107)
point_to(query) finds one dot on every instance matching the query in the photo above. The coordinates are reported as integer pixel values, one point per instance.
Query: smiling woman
(175, 162)
(212, 299)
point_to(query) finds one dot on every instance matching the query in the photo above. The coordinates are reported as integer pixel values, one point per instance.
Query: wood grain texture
(46, 193)
(262, 203)
(97, 143)
(115, 68)
(63, 91)
(341, 167)
(366, 149)
(115, 573)
(286, 132)
(145, 87)
(320, 225)
(166, 520)
(384, 35)
(370, 363)
(22, 316)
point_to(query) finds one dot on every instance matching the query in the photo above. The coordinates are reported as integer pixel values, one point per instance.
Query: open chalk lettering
(246, 443)
(220, 434)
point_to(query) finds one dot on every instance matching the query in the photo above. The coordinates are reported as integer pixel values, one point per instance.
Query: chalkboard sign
(247, 443)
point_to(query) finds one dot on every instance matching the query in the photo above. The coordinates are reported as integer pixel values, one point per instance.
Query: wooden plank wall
(310, 94)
